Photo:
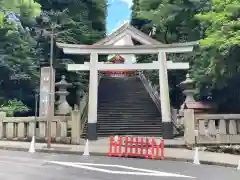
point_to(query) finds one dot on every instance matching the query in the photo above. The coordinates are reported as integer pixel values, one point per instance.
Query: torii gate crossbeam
(141, 66)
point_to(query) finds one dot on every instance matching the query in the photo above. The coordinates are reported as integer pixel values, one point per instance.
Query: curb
(177, 146)
(104, 154)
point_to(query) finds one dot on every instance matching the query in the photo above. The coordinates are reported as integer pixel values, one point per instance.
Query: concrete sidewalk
(99, 149)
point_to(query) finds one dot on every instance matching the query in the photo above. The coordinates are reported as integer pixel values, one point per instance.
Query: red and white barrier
(136, 147)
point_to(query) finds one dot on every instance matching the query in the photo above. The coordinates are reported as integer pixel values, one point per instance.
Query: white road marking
(145, 172)
(120, 166)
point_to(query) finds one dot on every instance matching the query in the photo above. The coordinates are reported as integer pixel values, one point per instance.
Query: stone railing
(84, 108)
(211, 128)
(23, 128)
(152, 90)
(155, 95)
(84, 112)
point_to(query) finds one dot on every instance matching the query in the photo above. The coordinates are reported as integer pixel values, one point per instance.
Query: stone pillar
(75, 132)
(10, 130)
(63, 107)
(164, 97)
(2, 117)
(93, 97)
(189, 124)
(45, 91)
(42, 129)
(31, 129)
(21, 130)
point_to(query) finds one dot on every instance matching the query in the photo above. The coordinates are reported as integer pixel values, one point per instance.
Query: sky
(119, 11)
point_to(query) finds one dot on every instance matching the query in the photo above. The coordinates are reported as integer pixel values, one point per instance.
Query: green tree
(85, 24)
(25, 43)
(214, 65)
(174, 22)
(216, 68)
(18, 62)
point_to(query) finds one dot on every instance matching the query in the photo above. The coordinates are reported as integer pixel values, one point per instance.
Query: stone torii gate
(105, 47)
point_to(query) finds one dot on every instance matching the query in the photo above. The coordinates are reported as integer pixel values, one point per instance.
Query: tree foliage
(25, 29)
(215, 63)
(74, 21)
(216, 69)
(174, 22)
(18, 58)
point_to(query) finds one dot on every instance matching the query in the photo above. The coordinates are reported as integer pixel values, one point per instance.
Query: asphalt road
(40, 166)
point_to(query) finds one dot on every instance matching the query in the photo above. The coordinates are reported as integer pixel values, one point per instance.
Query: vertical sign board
(45, 91)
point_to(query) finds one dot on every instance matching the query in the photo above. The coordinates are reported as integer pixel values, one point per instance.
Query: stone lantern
(189, 90)
(79, 92)
(63, 108)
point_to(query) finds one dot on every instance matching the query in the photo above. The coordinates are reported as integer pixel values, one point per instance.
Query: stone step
(136, 120)
(129, 123)
(125, 120)
(129, 132)
(133, 129)
(146, 124)
(125, 97)
(116, 106)
(106, 112)
(119, 100)
(126, 108)
(127, 105)
(127, 112)
(124, 91)
(126, 116)
(139, 133)
(139, 102)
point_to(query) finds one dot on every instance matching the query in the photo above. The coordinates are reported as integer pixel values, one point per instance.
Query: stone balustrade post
(21, 130)
(76, 130)
(187, 114)
(189, 127)
(31, 129)
(2, 116)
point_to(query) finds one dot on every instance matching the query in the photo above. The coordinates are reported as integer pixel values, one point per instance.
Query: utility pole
(51, 82)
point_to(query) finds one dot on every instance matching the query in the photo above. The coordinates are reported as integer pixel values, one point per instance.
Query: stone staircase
(126, 108)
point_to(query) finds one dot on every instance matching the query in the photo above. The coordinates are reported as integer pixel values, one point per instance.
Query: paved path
(39, 166)
(100, 149)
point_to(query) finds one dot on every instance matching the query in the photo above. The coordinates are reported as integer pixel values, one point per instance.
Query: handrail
(85, 109)
(152, 92)
(83, 118)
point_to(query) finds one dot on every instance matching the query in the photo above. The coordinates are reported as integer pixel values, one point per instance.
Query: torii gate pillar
(167, 125)
(93, 97)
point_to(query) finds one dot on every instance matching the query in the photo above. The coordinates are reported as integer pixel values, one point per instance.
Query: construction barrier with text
(120, 146)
